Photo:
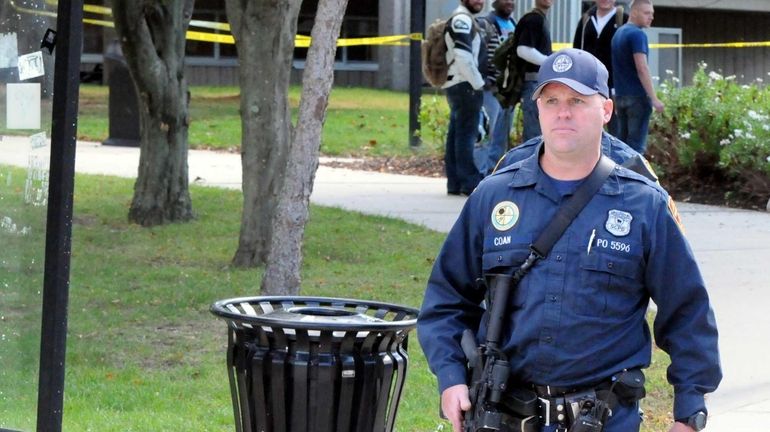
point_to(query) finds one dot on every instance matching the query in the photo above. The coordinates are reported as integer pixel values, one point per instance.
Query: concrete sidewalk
(732, 247)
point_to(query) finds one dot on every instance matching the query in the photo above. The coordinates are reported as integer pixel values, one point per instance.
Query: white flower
(738, 133)
(768, 159)
(724, 142)
(669, 72)
(759, 80)
(745, 87)
(685, 135)
(757, 116)
(730, 78)
(715, 76)
(766, 127)
(750, 136)
(675, 79)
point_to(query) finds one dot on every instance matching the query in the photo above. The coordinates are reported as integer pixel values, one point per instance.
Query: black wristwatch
(697, 421)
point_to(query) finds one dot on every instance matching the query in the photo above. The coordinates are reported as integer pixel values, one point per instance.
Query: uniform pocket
(506, 262)
(610, 285)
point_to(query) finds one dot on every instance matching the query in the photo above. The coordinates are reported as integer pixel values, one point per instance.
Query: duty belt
(554, 404)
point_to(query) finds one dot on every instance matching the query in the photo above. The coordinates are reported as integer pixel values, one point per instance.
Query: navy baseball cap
(575, 68)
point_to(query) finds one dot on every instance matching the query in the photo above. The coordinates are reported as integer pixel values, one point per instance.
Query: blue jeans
(624, 419)
(464, 108)
(633, 120)
(492, 149)
(529, 112)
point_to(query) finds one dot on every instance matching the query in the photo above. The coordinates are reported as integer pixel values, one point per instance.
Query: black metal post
(53, 342)
(416, 25)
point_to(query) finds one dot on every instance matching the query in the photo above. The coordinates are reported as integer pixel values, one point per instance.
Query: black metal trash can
(123, 107)
(314, 364)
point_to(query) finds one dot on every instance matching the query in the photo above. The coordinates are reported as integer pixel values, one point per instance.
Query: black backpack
(510, 81)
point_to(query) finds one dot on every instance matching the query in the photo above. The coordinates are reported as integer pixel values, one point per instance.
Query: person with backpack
(594, 34)
(464, 90)
(532, 39)
(497, 25)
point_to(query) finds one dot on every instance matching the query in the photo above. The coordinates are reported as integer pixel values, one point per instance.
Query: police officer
(578, 317)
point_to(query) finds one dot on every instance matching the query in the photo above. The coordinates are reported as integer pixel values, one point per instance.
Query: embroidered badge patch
(562, 63)
(505, 215)
(618, 223)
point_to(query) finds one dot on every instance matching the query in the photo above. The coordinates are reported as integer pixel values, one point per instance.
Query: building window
(361, 20)
(209, 11)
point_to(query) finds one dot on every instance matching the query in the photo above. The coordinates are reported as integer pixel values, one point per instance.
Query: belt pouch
(521, 402)
(628, 386)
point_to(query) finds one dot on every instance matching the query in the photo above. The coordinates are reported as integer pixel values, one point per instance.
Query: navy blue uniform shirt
(578, 317)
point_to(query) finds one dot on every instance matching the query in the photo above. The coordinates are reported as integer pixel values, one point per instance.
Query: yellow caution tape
(210, 25)
(101, 10)
(102, 23)
(31, 11)
(302, 41)
(210, 37)
(714, 45)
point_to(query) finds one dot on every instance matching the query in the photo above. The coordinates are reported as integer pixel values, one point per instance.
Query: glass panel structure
(26, 94)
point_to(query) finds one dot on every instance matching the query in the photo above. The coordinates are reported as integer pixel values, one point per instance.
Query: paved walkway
(732, 246)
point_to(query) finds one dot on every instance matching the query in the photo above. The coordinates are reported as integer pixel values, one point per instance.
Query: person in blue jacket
(578, 317)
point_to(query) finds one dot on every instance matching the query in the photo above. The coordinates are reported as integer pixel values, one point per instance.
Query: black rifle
(488, 365)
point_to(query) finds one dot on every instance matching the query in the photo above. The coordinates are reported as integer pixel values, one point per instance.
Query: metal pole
(416, 25)
(69, 26)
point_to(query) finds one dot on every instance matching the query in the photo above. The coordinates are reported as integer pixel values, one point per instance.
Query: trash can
(123, 105)
(315, 364)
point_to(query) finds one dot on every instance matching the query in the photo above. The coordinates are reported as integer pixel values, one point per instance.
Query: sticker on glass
(31, 66)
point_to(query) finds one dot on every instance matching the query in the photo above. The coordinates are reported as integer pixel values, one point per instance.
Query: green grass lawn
(144, 353)
(359, 122)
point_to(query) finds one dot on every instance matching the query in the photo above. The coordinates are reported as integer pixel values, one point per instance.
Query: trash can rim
(219, 309)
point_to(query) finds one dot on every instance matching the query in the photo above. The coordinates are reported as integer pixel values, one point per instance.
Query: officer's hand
(454, 400)
(681, 427)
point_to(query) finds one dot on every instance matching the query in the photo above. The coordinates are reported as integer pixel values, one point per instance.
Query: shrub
(715, 131)
(434, 122)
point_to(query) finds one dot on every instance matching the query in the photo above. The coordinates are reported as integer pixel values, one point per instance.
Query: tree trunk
(282, 273)
(264, 33)
(152, 35)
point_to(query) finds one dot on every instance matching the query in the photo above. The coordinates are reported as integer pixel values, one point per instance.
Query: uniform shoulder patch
(675, 214)
(461, 23)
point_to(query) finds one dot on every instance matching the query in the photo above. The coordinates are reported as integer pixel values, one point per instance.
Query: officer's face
(571, 122)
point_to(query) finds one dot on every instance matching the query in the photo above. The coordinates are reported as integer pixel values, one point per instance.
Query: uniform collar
(527, 172)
